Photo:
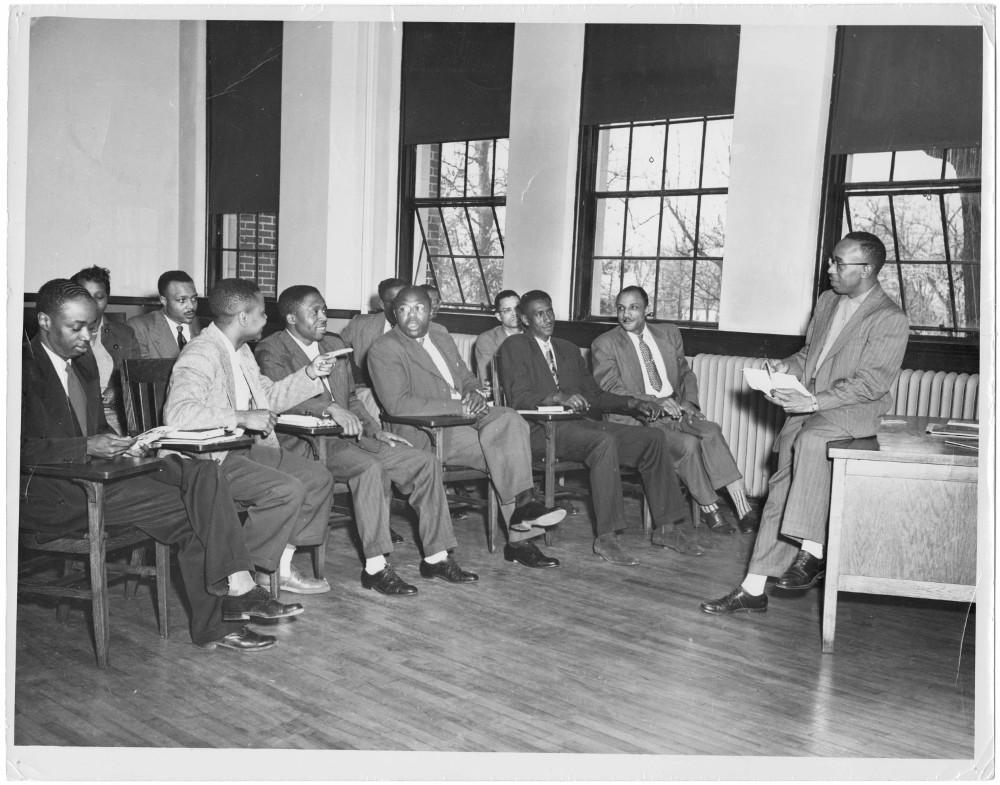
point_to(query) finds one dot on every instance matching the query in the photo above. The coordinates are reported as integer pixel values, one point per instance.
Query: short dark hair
(230, 296)
(388, 284)
(56, 293)
(290, 299)
(95, 274)
(169, 277)
(407, 291)
(636, 290)
(872, 248)
(529, 297)
(503, 296)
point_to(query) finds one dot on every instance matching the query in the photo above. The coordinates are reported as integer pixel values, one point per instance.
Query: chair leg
(318, 561)
(647, 518)
(275, 588)
(131, 580)
(492, 511)
(98, 571)
(162, 585)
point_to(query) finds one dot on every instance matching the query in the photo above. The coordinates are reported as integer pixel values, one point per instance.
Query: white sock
(434, 558)
(285, 562)
(754, 584)
(375, 564)
(814, 548)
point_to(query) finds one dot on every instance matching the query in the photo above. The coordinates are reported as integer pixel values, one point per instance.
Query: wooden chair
(94, 544)
(434, 426)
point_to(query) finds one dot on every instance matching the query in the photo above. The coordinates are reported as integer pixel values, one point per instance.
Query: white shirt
(546, 347)
(654, 350)
(59, 363)
(174, 325)
(846, 308)
(312, 352)
(243, 393)
(105, 362)
(438, 359)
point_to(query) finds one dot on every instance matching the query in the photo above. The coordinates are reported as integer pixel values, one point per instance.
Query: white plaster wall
(103, 151)
(779, 139)
(541, 179)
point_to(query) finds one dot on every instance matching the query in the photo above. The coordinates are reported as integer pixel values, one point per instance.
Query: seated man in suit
(111, 342)
(417, 371)
(853, 351)
(505, 309)
(647, 361)
(216, 382)
(366, 457)
(165, 332)
(539, 370)
(362, 331)
(186, 503)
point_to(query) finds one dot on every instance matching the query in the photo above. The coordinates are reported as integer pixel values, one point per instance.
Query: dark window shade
(456, 81)
(244, 116)
(907, 88)
(657, 72)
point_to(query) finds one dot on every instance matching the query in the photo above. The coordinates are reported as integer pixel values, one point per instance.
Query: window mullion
(947, 259)
(895, 243)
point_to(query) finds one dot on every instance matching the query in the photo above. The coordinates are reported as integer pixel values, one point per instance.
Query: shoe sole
(532, 566)
(389, 594)
(304, 591)
(247, 615)
(805, 586)
(216, 645)
(723, 612)
(547, 520)
(609, 560)
(442, 578)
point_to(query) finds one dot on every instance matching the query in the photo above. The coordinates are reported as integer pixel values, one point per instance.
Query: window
(925, 206)
(659, 205)
(245, 245)
(461, 192)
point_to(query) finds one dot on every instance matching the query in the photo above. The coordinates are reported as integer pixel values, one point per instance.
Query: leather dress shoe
(528, 554)
(395, 536)
(680, 537)
(535, 514)
(385, 581)
(718, 521)
(748, 523)
(737, 601)
(245, 640)
(296, 583)
(447, 570)
(806, 571)
(609, 547)
(256, 603)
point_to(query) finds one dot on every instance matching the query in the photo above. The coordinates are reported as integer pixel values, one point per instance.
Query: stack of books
(958, 433)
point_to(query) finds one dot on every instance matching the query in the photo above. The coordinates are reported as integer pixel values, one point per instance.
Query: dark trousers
(604, 447)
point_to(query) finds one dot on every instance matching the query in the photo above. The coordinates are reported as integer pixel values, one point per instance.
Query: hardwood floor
(586, 658)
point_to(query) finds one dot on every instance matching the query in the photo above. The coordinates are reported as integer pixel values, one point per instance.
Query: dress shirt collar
(311, 350)
(174, 325)
(59, 363)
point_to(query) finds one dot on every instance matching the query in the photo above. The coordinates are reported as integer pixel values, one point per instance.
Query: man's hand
(261, 420)
(474, 404)
(320, 366)
(691, 411)
(647, 411)
(574, 401)
(793, 402)
(108, 445)
(671, 408)
(391, 439)
(777, 366)
(346, 419)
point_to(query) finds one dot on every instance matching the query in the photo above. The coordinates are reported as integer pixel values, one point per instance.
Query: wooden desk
(902, 517)
(311, 435)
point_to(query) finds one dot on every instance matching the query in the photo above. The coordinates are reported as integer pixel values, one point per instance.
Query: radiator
(749, 423)
(937, 394)
(465, 343)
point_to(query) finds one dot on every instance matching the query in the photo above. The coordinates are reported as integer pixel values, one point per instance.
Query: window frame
(585, 221)
(215, 249)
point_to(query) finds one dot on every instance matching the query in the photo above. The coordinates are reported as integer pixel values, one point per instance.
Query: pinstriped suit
(155, 336)
(852, 389)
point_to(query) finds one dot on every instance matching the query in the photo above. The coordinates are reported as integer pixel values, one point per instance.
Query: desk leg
(833, 540)
(550, 471)
(98, 570)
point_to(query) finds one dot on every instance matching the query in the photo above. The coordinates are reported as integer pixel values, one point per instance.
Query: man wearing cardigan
(853, 351)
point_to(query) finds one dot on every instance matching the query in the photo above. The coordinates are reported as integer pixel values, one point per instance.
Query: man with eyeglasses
(853, 351)
(165, 332)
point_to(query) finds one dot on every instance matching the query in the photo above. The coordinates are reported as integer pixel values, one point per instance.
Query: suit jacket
(617, 367)
(120, 342)
(202, 390)
(407, 381)
(154, 336)
(852, 385)
(280, 356)
(49, 434)
(527, 380)
(487, 345)
(360, 333)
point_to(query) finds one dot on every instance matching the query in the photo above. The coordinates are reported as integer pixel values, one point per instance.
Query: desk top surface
(223, 444)
(905, 440)
(294, 429)
(95, 469)
(431, 420)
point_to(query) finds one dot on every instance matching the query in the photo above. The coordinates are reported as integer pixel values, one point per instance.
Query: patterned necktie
(647, 359)
(77, 397)
(181, 340)
(552, 364)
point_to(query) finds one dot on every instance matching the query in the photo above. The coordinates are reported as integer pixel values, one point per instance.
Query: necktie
(552, 363)
(647, 359)
(181, 340)
(77, 397)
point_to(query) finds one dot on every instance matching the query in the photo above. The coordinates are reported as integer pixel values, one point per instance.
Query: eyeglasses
(841, 265)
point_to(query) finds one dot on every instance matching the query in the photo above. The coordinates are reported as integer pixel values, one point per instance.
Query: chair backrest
(144, 388)
(493, 374)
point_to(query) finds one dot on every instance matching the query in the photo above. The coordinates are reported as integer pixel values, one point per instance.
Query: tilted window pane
(479, 177)
(485, 231)
(871, 214)
(966, 278)
(612, 159)
(430, 222)
(712, 230)
(458, 231)
(610, 227)
(646, 172)
(428, 165)
(679, 216)
(673, 294)
(471, 279)
(926, 290)
(452, 169)
(683, 155)
(918, 227)
(917, 165)
(964, 226)
(493, 269)
(443, 273)
(718, 145)
(643, 224)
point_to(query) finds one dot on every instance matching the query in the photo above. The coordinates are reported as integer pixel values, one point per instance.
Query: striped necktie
(181, 340)
(647, 359)
(77, 397)
(552, 363)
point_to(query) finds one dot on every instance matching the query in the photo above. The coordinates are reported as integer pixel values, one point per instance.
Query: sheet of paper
(759, 379)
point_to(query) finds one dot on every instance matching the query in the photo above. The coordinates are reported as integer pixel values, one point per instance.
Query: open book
(153, 436)
(760, 379)
(305, 420)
